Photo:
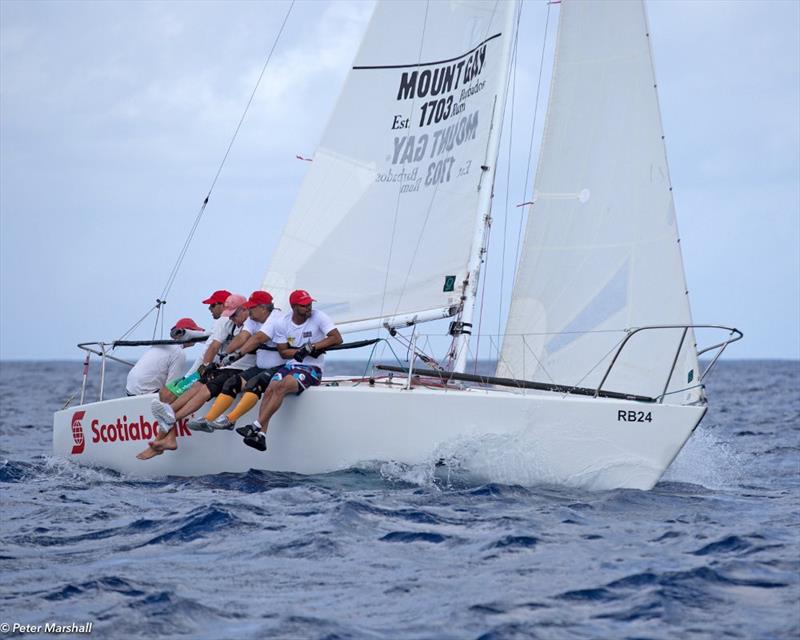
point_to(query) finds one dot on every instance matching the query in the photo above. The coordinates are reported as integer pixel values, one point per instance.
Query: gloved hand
(205, 369)
(301, 353)
(231, 358)
(313, 351)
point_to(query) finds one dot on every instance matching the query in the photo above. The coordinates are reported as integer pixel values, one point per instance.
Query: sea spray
(708, 461)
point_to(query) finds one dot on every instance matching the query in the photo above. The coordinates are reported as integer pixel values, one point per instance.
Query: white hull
(578, 441)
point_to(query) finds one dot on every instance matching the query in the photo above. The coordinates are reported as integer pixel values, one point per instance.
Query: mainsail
(601, 251)
(384, 221)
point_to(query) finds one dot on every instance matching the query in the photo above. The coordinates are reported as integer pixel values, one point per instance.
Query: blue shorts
(306, 376)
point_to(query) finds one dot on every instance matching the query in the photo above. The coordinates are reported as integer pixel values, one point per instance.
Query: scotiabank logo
(123, 430)
(77, 432)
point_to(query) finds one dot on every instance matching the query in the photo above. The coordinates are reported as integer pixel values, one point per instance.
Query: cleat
(222, 424)
(246, 430)
(200, 425)
(257, 441)
(163, 412)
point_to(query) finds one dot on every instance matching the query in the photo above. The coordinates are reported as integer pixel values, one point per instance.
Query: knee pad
(232, 386)
(258, 385)
(216, 385)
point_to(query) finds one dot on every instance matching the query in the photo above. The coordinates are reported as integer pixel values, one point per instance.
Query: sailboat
(598, 366)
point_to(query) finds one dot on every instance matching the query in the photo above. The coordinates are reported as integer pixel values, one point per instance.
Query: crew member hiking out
(178, 386)
(302, 337)
(223, 338)
(261, 328)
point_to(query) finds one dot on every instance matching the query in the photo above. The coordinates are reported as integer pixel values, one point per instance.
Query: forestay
(601, 248)
(385, 219)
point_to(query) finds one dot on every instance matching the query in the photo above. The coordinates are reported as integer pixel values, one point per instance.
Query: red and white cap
(300, 296)
(232, 304)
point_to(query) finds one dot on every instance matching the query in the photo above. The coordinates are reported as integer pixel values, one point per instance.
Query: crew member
(302, 337)
(161, 362)
(268, 362)
(223, 337)
(221, 314)
(178, 386)
(260, 329)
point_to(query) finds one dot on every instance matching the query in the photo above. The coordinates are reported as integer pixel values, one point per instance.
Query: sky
(115, 116)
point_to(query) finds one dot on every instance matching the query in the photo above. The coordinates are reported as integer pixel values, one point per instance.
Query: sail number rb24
(634, 416)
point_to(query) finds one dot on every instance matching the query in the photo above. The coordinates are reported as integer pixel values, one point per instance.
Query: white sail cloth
(384, 220)
(601, 249)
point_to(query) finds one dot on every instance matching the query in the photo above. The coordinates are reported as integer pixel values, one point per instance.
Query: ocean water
(394, 552)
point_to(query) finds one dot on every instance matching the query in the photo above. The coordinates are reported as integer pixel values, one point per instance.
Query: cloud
(114, 117)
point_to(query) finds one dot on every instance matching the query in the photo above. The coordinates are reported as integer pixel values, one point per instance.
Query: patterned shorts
(306, 376)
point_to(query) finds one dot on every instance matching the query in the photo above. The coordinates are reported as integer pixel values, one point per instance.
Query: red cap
(187, 323)
(300, 297)
(257, 298)
(218, 297)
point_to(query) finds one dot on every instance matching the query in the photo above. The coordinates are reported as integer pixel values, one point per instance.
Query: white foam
(708, 461)
(62, 468)
(422, 475)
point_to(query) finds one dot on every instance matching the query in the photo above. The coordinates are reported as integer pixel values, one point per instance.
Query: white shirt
(223, 332)
(315, 329)
(249, 360)
(268, 358)
(157, 366)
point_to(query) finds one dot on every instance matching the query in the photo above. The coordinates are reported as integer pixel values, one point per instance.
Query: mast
(483, 220)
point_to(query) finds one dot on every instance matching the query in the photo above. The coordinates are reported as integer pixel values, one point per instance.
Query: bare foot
(165, 444)
(148, 453)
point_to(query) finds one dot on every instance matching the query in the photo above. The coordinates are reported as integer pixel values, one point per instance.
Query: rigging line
(418, 352)
(387, 344)
(159, 316)
(369, 362)
(535, 357)
(139, 321)
(173, 274)
(530, 147)
(397, 201)
(566, 333)
(586, 375)
(513, 76)
(511, 373)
